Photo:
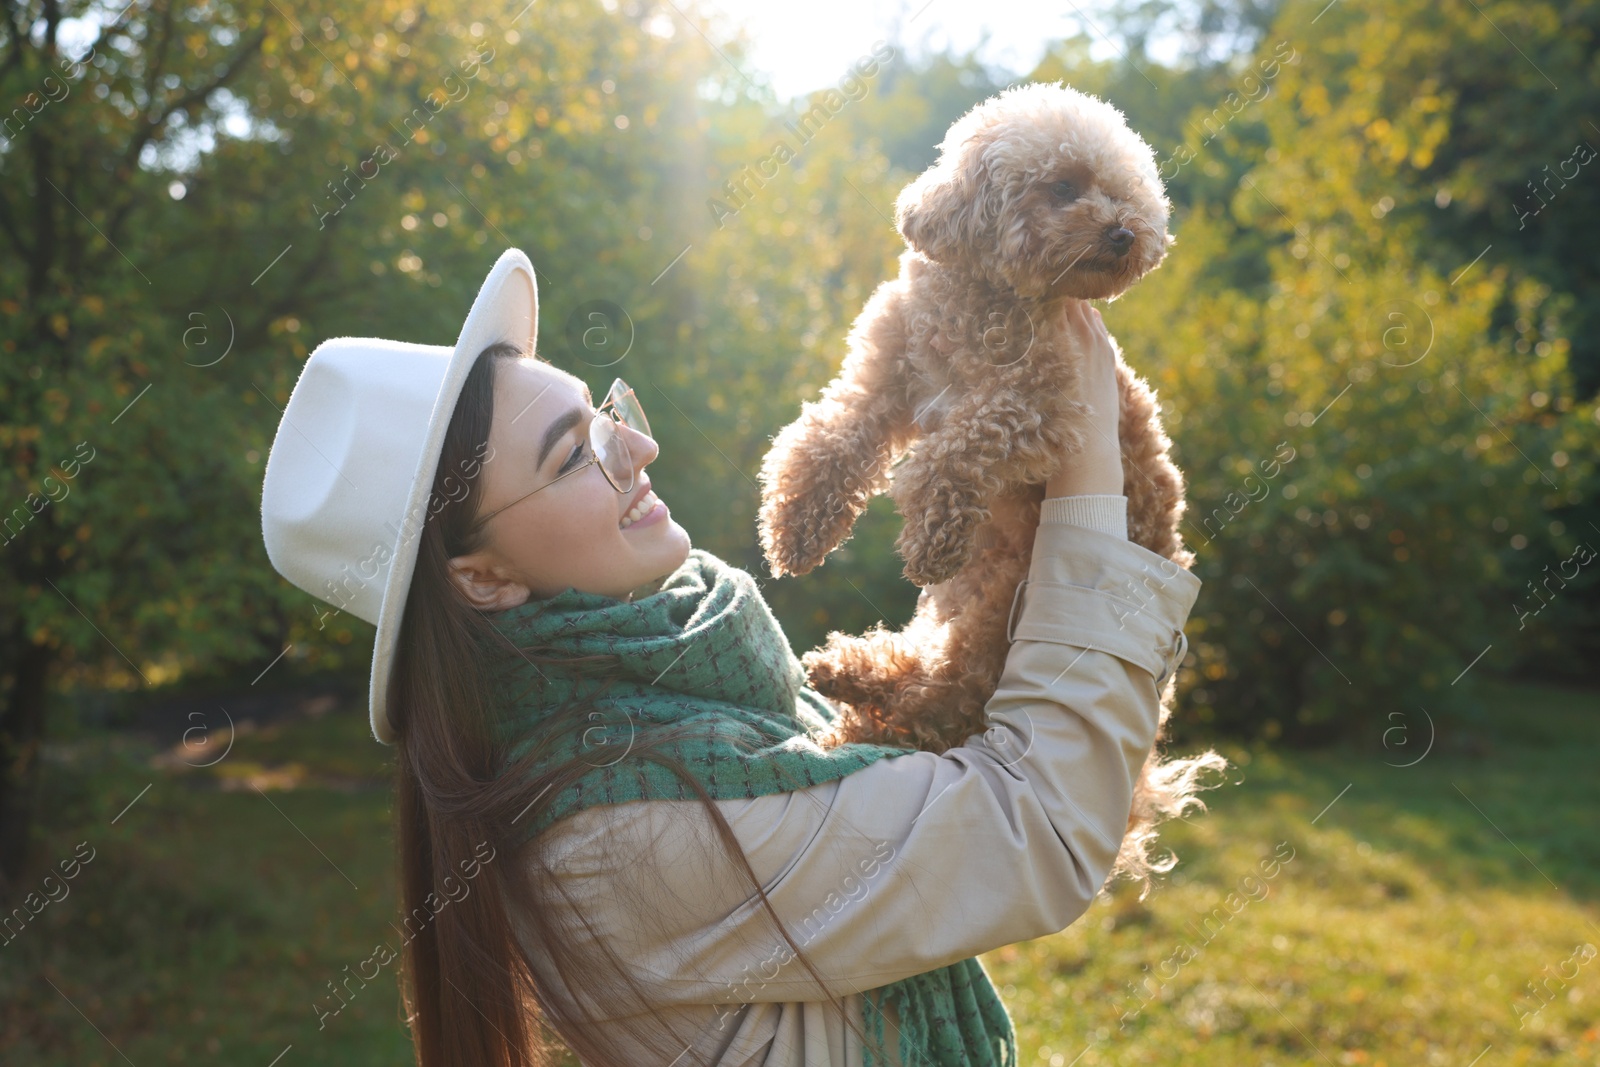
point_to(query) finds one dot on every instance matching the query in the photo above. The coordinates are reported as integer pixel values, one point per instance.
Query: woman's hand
(1098, 467)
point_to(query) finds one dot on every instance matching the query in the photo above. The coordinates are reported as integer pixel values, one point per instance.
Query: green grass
(1402, 931)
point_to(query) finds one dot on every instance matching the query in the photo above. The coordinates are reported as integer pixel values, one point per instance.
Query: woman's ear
(483, 588)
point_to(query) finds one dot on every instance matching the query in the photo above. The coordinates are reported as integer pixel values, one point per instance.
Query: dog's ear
(930, 212)
(937, 213)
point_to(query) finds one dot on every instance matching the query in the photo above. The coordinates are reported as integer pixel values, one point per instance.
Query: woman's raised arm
(919, 860)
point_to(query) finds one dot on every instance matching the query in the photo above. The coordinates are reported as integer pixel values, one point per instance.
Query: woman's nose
(641, 446)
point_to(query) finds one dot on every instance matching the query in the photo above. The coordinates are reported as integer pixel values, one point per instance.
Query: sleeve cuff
(1106, 512)
(1094, 590)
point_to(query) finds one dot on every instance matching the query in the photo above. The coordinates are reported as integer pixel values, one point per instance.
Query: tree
(79, 322)
(208, 191)
(1372, 468)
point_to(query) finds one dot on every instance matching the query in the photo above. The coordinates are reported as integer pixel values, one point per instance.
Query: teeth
(640, 510)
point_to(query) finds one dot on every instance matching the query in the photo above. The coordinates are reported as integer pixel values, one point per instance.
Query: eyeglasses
(609, 448)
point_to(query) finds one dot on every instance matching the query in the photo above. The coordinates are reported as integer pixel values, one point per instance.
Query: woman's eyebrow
(556, 431)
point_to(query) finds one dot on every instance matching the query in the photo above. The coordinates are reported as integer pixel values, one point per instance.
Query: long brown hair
(470, 994)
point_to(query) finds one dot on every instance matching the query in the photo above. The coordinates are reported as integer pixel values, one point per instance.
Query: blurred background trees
(1377, 295)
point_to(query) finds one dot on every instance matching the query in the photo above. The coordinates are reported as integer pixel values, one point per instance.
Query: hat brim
(506, 309)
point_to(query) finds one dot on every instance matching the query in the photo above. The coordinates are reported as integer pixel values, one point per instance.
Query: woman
(612, 820)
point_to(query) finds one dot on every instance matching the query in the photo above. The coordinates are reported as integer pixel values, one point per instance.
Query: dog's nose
(1121, 239)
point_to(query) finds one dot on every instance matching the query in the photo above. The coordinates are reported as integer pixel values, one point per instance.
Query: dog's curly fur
(962, 370)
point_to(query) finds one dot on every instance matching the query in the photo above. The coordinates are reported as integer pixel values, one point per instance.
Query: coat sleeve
(918, 860)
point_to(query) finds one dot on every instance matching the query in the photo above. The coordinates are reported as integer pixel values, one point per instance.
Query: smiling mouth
(645, 506)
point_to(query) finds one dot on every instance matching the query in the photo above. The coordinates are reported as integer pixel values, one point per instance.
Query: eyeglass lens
(609, 446)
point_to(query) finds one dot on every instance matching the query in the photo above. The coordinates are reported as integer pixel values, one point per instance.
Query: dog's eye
(1064, 190)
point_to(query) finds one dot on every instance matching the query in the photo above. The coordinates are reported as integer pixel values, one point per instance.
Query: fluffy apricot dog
(961, 377)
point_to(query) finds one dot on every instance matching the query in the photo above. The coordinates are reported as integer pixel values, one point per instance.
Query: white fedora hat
(346, 488)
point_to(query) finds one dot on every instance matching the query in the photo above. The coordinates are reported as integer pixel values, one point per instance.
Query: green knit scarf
(705, 654)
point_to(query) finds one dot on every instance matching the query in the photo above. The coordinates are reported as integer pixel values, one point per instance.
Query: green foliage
(1306, 176)
(1370, 469)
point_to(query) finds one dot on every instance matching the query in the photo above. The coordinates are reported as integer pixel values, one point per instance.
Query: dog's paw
(835, 671)
(822, 673)
(795, 538)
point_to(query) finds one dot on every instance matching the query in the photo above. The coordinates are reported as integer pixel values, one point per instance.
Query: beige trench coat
(913, 862)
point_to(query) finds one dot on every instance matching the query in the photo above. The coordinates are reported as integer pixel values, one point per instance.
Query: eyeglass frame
(619, 388)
